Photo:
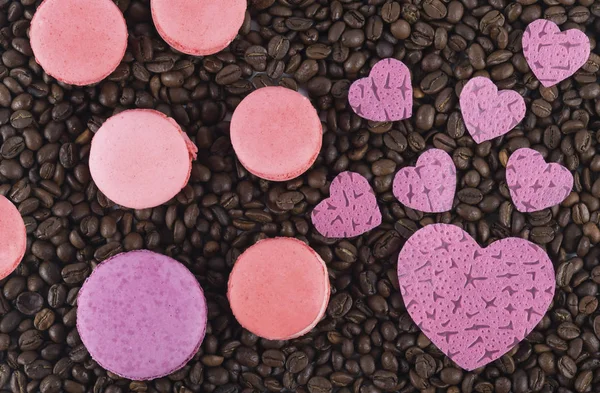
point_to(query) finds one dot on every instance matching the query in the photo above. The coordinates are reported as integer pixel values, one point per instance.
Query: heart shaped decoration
(475, 304)
(535, 185)
(489, 113)
(351, 210)
(552, 55)
(385, 95)
(430, 185)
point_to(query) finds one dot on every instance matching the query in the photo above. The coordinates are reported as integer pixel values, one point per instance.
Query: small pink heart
(351, 210)
(552, 55)
(430, 185)
(535, 185)
(475, 304)
(385, 95)
(487, 112)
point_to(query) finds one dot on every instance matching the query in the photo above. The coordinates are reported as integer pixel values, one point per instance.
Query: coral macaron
(79, 42)
(279, 289)
(198, 27)
(141, 158)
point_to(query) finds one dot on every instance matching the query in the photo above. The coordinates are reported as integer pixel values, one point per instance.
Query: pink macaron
(279, 289)
(141, 158)
(141, 315)
(13, 237)
(79, 42)
(276, 133)
(198, 27)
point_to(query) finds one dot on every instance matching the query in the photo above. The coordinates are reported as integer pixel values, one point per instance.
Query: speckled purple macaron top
(141, 315)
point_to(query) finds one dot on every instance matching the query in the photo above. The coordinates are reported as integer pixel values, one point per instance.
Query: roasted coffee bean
(29, 303)
(256, 56)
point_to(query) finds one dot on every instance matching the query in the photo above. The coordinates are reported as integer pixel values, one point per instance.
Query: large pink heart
(474, 304)
(351, 210)
(487, 112)
(535, 185)
(385, 95)
(552, 55)
(430, 185)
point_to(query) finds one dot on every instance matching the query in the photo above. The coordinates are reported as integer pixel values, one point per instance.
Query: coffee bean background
(367, 342)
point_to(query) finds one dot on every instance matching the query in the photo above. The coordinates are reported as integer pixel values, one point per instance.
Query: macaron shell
(79, 42)
(198, 27)
(141, 158)
(279, 289)
(141, 315)
(276, 133)
(13, 237)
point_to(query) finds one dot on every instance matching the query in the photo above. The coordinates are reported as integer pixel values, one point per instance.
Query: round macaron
(13, 237)
(141, 158)
(279, 289)
(141, 315)
(198, 27)
(276, 133)
(78, 42)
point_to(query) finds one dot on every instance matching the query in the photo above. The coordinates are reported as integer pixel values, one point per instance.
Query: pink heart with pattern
(385, 95)
(430, 185)
(487, 112)
(552, 55)
(351, 210)
(535, 185)
(475, 304)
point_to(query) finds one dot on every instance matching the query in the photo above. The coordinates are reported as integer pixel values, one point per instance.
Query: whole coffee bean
(228, 75)
(296, 362)
(435, 9)
(319, 385)
(541, 108)
(434, 82)
(75, 273)
(256, 56)
(567, 367)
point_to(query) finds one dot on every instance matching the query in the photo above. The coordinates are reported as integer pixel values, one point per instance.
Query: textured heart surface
(552, 55)
(489, 113)
(385, 95)
(535, 185)
(475, 304)
(351, 209)
(430, 185)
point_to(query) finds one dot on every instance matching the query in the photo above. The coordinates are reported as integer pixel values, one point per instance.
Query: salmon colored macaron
(141, 315)
(276, 133)
(198, 27)
(78, 42)
(13, 237)
(279, 289)
(141, 158)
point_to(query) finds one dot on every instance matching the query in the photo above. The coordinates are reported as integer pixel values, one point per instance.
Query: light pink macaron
(276, 133)
(141, 158)
(79, 42)
(13, 237)
(279, 289)
(198, 27)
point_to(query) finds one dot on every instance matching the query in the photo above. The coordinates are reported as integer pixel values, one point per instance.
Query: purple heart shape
(430, 185)
(552, 55)
(535, 185)
(489, 113)
(351, 209)
(385, 95)
(475, 304)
